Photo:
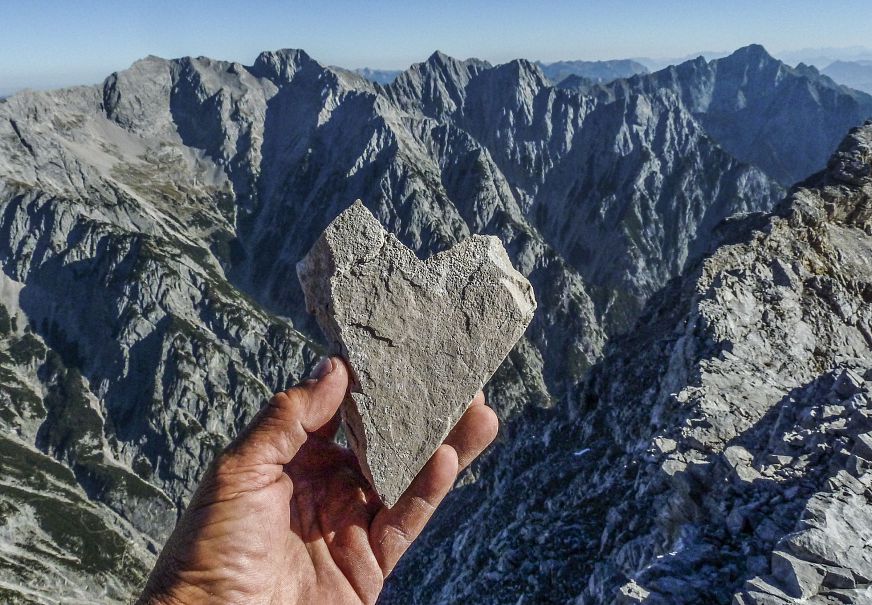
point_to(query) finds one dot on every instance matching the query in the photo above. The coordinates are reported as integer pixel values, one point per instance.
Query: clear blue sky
(51, 43)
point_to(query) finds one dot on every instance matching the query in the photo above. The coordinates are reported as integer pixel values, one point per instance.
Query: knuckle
(280, 399)
(233, 475)
(293, 400)
(424, 506)
(392, 535)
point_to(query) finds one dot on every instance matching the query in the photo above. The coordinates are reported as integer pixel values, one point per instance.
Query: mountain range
(150, 227)
(856, 74)
(720, 452)
(595, 71)
(821, 57)
(772, 101)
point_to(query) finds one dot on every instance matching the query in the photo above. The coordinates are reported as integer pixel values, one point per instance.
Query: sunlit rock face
(149, 231)
(720, 452)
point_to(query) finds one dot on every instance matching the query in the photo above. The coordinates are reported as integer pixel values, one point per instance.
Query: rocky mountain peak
(150, 59)
(439, 59)
(764, 96)
(148, 67)
(281, 65)
(514, 85)
(442, 61)
(756, 52)
(149, 226)
(437, 85)
(808, 70)
(523, 71)
(753, 63)
(852, 162)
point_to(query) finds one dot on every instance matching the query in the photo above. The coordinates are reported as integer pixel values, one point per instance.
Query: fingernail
(323, 367)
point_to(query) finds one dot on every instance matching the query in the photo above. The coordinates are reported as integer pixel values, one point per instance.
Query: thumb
(281, 428)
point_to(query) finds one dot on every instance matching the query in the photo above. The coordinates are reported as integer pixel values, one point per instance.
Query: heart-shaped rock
(421, 336)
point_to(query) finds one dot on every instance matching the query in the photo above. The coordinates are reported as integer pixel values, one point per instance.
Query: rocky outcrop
(717, 454)
(149, 230)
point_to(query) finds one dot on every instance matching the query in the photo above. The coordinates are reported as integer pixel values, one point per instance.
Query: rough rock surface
(719, 453)
(421, 336)
(149, 228)
(782, 112)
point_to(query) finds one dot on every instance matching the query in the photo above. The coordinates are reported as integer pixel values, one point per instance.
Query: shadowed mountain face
(719, 453)
(784, 120)
(150, 227)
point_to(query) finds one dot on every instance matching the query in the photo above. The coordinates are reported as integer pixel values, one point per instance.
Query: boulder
(848, 383)
(800, 579)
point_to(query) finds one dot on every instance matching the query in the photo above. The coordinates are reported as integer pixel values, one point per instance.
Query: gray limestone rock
(800, 578)
(421, 336)
(126, 207)
(848, 383)
(863, 446)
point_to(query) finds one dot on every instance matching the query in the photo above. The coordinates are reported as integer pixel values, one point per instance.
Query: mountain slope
(721, 453)
(639, 173)
(144, 358)
(784, 120)
(149, 228)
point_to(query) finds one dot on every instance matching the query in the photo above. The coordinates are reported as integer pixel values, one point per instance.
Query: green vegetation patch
(26, 349)
(5, 321)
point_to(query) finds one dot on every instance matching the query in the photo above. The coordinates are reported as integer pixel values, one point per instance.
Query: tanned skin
(284, 515)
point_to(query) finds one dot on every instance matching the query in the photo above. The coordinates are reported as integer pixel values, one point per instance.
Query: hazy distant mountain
(379, 76)
(595, 71)
(661, 63)
(149, 228)
(856, 74)
(578, 84)
(821, 57)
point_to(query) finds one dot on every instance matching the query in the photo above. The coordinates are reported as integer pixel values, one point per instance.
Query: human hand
(284, 515)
